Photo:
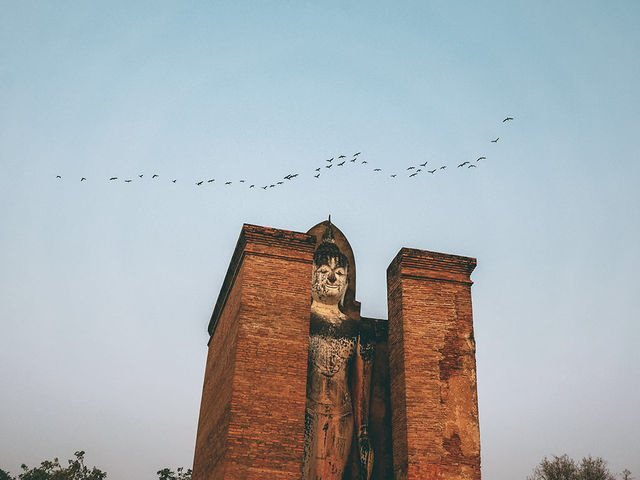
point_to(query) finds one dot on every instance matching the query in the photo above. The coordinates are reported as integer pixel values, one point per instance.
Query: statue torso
(332, 346)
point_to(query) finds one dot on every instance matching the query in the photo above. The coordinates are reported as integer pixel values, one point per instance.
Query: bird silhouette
(155, 175)
(413, 174)
(393, 176)
(507, 119)
(364, 161)
(472, 166)
(173, 181)
(265, 187)
(83, 179)
(251, 186)
(424, 164)
(330, 160)
(58, 176)
(227, 183)
(353, 159)
(481, 158)
(432, 171)
(443, 167)
(377, 169)
(318, 175)
(341, 163)
(462, 164)
(294, 175)
(127, 180)
(329, 166)
(140, 175)
(113, 178)
(200, 182)
(279, 183)
(341, 156)
(271, 186)
(211, 180)
(242, 181)
(356, 154)
(410, 168)
(496, 140)
(318, 169)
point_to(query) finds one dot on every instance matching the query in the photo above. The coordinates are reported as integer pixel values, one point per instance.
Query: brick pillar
(432, 367)
(251, 422)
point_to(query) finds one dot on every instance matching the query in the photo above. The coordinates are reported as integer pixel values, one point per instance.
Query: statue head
(330, 268)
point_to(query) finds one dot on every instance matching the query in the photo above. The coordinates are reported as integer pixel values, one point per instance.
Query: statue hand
(366, 454)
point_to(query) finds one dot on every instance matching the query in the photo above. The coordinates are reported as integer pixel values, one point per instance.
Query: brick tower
(424, 410)
(432, 367)
(251, 422)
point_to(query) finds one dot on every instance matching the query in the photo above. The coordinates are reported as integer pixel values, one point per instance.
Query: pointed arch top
(350, 303)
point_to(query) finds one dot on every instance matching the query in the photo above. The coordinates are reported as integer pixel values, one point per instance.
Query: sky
(107, 287)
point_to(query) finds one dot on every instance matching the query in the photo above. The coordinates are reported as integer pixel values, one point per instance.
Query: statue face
(329, 283)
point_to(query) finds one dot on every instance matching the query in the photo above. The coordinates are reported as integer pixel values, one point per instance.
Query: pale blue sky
(106, 288)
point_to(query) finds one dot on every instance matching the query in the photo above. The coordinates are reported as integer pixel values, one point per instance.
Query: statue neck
(330, 312)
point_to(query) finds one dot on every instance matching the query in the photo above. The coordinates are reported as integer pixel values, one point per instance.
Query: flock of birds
(337, 161)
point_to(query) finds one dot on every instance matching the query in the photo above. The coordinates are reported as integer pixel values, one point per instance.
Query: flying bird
(82, 179)
(481, 158)
(341, 163)
(279, 183)
(443, 167)
(127, 180)
(199, 183)
(58, 176)
(413, 174)
(432, 171)
(353, 159)
(329, 166)
(317, 175)
(341, 156)
(424, 164)
(294, 175)
(318, 169)
(140, 175)
(113, 178)
(364, 161)
(411, 168)
(377, 169)
(507, 119)
(173, 181)
(265, 187)
(330, 160)
(271, 186)
(155, 175)
(242, 181)
(462, 164)
(393, 176)
(472, 165)
(356, 154)
(496, 140)
(251, 186)
(211, 180)
(227, 183)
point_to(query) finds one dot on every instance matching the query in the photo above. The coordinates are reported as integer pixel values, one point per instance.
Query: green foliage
(167, 474)
(565, 468)
(52, 470)
(77, 470)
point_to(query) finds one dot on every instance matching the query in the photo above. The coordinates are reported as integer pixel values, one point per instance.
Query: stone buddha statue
(338, 376)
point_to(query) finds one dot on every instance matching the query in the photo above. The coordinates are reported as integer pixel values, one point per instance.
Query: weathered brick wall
(253, 427)
(434, 402)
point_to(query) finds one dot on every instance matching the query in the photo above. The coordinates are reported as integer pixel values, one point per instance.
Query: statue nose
(332, 277)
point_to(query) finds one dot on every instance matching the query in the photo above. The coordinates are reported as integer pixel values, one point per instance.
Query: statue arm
(362, 396)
